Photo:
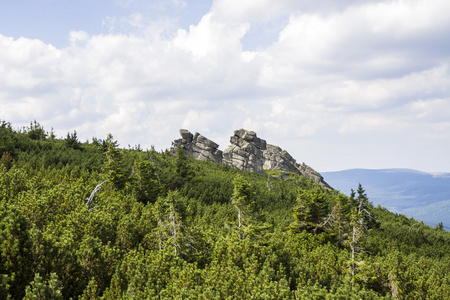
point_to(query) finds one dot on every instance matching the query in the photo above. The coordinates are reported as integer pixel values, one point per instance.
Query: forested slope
(93, 221)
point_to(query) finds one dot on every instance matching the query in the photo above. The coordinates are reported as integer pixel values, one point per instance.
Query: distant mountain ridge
(441, 175)
(423, 196)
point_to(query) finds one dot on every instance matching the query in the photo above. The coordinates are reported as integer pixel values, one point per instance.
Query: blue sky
(52, 20)
(338, 84)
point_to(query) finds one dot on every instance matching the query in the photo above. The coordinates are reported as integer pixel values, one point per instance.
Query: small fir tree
(146, 186)
(243, 199)
(114, 166)
(310, 211)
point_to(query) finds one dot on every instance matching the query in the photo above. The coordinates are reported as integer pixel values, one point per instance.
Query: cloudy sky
(338, 84)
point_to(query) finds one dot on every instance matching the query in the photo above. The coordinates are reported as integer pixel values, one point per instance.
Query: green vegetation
(93, 221)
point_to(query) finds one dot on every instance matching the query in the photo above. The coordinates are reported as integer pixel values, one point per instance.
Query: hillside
(94, 221)
(417, 194)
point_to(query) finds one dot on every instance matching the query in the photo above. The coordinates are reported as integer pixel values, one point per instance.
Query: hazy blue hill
(421, 195)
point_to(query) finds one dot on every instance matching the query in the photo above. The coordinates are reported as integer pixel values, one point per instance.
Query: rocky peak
(197, 146)
(246, 152)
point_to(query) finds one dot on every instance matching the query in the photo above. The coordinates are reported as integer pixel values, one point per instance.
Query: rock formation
(246, 152)
(197, 146)
(276, 158)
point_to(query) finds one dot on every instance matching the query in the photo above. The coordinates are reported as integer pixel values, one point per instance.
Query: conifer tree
(36, 131)
(170, 228)
(243, 200)
(72, 140)
(362, 201)
(364, 207)
(8, 139)
(181, 163)
(146, 186)
(361, 221)
(339, 218)
(114, 165)
(183, 172)
(39, 289)
(310, 211)
(15, 252)
(440, 226)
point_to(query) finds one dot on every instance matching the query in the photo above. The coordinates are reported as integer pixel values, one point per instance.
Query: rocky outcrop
(276, 158)
(197, 146)
(309, 172)
(246, 152)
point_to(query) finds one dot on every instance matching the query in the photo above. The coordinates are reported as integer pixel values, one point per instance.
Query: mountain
(423, 196)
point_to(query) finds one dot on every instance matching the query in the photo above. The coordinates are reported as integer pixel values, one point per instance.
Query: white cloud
(426, 109)
(245, 11)
(78, 36)
(365, 41)
(209, 38)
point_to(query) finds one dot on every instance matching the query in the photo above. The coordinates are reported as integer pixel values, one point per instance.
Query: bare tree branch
(413, 225)
(91, 197)
(268, 182)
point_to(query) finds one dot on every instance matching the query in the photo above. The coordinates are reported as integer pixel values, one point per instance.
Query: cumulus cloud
(354, 77)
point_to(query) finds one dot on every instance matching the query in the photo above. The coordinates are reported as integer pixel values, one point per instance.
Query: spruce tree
(310, 211)
(114, 165)
(243, 200)
(146, 186)
(169, 212)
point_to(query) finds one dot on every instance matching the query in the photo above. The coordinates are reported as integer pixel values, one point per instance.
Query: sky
(338, 84)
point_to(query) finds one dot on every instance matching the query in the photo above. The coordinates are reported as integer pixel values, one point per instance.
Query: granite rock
(246, 152)
(197, 146)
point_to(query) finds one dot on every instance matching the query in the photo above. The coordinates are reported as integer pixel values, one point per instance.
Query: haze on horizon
(339, 85)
